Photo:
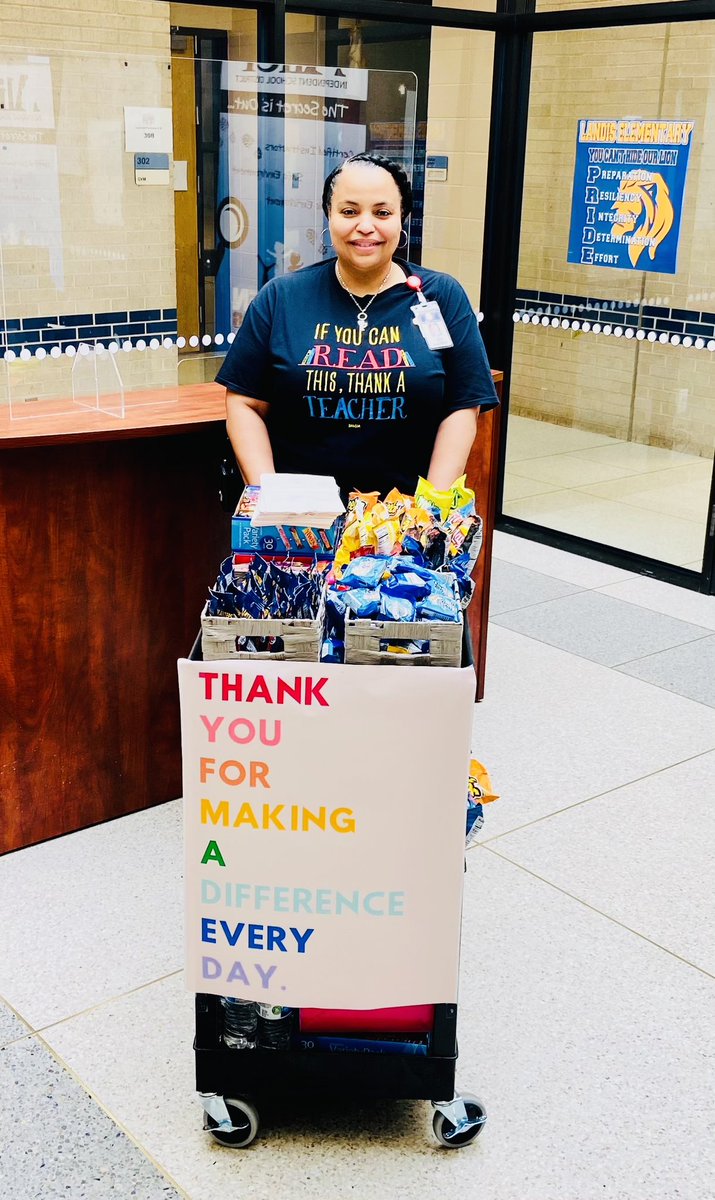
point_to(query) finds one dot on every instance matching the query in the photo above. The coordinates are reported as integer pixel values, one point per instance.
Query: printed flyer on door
(628, 192)
(282, 131)
(324, 831)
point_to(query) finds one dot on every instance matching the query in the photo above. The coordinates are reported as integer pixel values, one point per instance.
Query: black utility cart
(233, 1084)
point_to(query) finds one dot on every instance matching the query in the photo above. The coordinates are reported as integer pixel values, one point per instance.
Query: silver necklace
(362, 308)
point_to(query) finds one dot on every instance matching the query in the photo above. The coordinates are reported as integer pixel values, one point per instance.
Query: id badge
(430, 322)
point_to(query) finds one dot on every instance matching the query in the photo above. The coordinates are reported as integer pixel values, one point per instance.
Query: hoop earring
(404, 244)
(323, 248)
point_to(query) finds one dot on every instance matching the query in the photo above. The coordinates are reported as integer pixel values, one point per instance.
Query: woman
(330, 374)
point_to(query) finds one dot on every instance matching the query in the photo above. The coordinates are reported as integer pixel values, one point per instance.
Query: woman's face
(365, 217)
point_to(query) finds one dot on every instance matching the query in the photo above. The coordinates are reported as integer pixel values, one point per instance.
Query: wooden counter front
(111, 531)
(482, 471)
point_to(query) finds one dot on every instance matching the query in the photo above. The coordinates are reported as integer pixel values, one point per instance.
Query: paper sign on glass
(628, 193)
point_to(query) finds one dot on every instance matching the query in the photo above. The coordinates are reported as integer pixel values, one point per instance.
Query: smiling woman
(304, 354)
(366, 205)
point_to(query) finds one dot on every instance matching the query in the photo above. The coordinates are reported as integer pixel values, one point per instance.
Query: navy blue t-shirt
(362, 406)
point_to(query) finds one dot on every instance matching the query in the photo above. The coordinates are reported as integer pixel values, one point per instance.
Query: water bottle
(275, 1025)
(240, 1022)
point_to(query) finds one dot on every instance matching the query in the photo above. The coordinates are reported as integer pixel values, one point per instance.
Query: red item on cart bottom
(412, 1018)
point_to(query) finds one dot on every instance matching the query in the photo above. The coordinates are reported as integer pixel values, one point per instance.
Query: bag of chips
(479, 793)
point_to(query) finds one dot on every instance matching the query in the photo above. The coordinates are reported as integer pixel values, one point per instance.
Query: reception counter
(112, 530)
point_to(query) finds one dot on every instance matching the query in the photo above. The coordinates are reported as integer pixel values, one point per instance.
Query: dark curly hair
(376, 160)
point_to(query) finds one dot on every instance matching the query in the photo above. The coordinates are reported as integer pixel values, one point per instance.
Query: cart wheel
(245, 1120)
(449, 1135)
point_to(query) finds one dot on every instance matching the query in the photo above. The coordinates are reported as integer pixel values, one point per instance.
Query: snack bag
(366, 533)
(379, 512)
(366, 572)
(463, 498)
(479, 793)
(341, 560)
(480, 785)
(387, 536)
(363, 602)
(438, 606)
(396, 608)
(397, 503)
(349, 545)
(408, 584)
(361, 502)
(434, 501)
(434, 547)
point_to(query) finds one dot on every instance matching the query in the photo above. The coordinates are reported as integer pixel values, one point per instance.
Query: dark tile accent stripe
(624, 314)
(19, 333)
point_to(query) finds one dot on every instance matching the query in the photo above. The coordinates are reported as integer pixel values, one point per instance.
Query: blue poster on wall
(628, 189)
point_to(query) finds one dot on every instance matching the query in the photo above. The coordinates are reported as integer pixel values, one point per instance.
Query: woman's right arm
(246, 426)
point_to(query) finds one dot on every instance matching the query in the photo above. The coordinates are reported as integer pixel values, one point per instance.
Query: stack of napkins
(312, 500)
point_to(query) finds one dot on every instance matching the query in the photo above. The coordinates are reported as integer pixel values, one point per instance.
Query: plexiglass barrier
(133, 235)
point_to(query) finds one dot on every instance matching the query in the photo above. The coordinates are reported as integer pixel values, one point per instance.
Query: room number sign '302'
(151, 169)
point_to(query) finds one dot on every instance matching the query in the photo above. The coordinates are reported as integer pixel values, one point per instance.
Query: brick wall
(84, 247)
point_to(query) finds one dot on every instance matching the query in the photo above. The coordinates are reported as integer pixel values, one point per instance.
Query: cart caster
(232, 1123)
(458, 1122)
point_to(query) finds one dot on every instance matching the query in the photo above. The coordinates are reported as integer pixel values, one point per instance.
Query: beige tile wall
(116, 242)
(667, 71)
(461, 64)
(573, 379)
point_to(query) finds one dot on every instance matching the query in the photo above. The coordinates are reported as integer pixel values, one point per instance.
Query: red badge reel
(415, 284)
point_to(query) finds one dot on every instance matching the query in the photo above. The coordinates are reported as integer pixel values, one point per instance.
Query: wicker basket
(363, 637)
(302, 639)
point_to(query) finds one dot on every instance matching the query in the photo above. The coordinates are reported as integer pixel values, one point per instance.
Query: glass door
(611, 426)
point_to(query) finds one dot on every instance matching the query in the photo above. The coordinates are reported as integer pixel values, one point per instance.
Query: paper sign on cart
(324, 811)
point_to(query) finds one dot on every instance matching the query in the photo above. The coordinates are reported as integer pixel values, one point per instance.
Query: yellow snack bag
(387, 536)
(366, 533)
(479, 793)
(429, 498)
(379, 513)
(417, 518)
(361, 502)
(396, 503)
(341, 560)
(351, 535)
(480, 785)
(463, 498)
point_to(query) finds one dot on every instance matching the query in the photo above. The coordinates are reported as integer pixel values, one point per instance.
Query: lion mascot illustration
(647, 201)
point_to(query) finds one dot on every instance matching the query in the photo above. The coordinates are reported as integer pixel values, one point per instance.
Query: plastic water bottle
(240, 1022)
(275, 1025)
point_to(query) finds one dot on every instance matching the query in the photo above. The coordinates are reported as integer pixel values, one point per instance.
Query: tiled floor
(641, 498)
(588, 972)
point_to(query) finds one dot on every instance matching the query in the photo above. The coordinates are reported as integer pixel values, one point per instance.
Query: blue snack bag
(439, 605)
(409, 584)
(363, 602)
(251, 604)
(366, 571)
(475, 820)
(396, 608)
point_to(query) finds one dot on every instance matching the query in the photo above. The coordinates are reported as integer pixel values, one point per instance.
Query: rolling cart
(233, 1084)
